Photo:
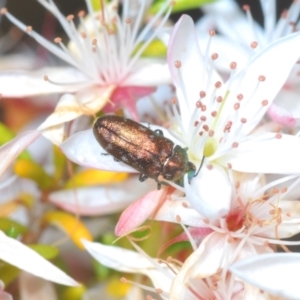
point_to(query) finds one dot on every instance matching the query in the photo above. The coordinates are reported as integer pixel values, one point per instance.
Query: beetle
(147, 151)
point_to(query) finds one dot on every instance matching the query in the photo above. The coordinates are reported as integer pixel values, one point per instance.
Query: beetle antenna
(200, 167)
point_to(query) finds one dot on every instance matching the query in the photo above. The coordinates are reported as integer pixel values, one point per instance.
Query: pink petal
(281, 116)
(10, 151)
(139, 211)
(126, 97)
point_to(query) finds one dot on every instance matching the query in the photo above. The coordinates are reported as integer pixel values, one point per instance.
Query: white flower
(242, 37)
(105, 55)
(258, 218)
(217, 119)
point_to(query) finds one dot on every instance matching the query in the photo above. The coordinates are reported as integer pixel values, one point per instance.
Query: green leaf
(180, 5)
(47, 251)
(8, 273)
(11, 228)
(6, 135)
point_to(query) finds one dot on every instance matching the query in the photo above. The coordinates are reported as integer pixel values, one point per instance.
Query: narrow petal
(171, 209)
(32, 83)
(262, 156)
(101, 200)
(210, 192)
(138, 212)
(274, 273)
(191, 77)
(145, 74)
(83, 149)
(262, 80)
(17, 254)
(10, 151)
(128, 261)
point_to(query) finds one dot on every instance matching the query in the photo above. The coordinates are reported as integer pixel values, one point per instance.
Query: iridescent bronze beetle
(147, 151)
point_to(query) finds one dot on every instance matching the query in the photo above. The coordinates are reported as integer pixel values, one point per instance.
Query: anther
(212, 33)
(264, 102)
(246, 7)
(206, 221)
(236, 106)
(235, 145)
(261, 78)
(196, 123)
(202, 94)
(57, 40)
(243, 120)
(203, 118)
(214, 56)
(237, 184)
(94, 42)
(209, 167)
(173, 100)
(128, 21)
(214, 114)
(184, 204)
(70, 17)
(278, 136)
(229, 166)
(46, 78)
(203, 108)
(123, 280)
(284, 189)
(218, 84)
(28, 28)
(159, 291)
(198, 104)
(240, 97)
(83, 35)
(253, 44)
(3, 10)
(219, 99)
(233, 65)
(211, 133)
(177, 64)
(81, 14)
(178, 219)
(284, 14)
(205, 127)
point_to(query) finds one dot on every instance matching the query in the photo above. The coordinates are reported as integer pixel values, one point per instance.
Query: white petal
(183, 47)
(10, 150)
(146, 72)
(270, 155)
(246, 82)
(274, 273)
(128, 261)
(33, 83)
(170, 209)
(101, 200)
(83, 149)
(19, 255)
(210, 192)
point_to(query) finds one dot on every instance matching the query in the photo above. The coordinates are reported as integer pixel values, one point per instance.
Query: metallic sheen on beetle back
(147, 151)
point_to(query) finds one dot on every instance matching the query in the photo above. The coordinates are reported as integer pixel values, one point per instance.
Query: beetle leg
(143, 177)
(115, 159)
(105, 154)
(159, 132)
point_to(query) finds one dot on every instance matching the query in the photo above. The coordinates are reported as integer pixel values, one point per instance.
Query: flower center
(235, 220)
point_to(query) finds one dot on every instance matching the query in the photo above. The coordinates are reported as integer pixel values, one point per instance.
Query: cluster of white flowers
(234, 108)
